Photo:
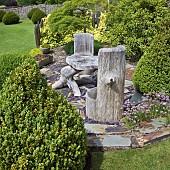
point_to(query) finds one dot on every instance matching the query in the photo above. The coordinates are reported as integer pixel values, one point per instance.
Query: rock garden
(95, 79)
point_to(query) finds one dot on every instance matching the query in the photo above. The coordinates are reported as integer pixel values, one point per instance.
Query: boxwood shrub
(31, 12)
(10, 18)
(2, 13)
(9, 61)
(39, 129)
(153, 69)
(37, 16)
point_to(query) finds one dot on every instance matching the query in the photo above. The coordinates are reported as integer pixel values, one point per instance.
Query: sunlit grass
(17, 37)
(152, 157)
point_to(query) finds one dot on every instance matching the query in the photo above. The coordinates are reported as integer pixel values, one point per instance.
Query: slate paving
(104, 136)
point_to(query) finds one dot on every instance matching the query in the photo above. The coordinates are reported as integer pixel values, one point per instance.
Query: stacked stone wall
(23, 11)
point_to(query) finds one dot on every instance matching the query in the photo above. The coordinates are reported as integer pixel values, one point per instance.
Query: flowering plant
(152, 106)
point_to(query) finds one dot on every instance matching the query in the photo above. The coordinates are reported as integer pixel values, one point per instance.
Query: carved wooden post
(110, 87)
(105, 104)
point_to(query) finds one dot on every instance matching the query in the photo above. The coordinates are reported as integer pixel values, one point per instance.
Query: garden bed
(43, 59)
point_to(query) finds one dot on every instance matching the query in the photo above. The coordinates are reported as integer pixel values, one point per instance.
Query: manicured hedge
(39, 129)
(10, 18)
(8, 62)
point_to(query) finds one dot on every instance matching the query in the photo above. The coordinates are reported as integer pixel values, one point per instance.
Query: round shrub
(39, 128)
(2, 13)
(9, 61)
(152, 73)
(31, 12)
(10, 18)
(37, 16)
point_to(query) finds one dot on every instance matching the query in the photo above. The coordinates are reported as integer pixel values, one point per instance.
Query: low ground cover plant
(39, 129)
(10, 18)
(152, 106)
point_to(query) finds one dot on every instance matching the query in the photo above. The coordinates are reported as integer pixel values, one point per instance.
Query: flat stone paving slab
(109, 141)
(119, 137)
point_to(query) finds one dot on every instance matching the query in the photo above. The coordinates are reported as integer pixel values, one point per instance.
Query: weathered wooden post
(37, 34)
(107, 101)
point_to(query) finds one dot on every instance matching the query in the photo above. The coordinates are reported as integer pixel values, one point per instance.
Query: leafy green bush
(2, 13)
(134, 24)
(153, 69)
(31, 12)
(34, 52)
(39, 128)
(9, 61)
(69, 47)
(37, 16)
(10, 18)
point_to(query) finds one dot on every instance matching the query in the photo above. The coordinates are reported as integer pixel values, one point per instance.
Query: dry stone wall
(22, 11)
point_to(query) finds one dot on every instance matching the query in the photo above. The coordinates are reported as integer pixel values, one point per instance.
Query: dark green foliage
(37, 16)
(11, 3)
(39, 128)
(134, 24)
(31, 12)
(10, 18)
(97, 46)
(153, 69)
(69, 47)
(9, 61)
(63, 21)
(2, 13)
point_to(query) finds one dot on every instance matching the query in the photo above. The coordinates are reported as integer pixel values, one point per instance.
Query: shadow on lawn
(94, 157)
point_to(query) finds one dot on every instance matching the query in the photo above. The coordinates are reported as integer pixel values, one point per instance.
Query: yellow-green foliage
(47, 37)
(100, 31)
(34, 52)
(39, 129)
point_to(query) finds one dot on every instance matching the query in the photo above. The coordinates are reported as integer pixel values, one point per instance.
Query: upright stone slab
(84, 44)
(110, 86)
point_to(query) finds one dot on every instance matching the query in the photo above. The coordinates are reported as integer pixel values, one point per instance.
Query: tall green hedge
(153, 69)
(39, 129)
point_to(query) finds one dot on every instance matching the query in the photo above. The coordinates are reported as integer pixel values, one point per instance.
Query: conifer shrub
(31, 12)
(39, 129)
(134, 24)
(152, 73)
(37, 16)
(10, 18)
(2, 13)
(9, 61)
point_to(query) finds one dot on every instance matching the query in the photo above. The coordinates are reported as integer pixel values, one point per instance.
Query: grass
(152, 157)
(17, 37)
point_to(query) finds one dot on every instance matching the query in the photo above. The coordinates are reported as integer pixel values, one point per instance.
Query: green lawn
(152, 157)
(17, 37)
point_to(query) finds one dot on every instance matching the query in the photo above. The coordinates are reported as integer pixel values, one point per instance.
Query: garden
(40, 128)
